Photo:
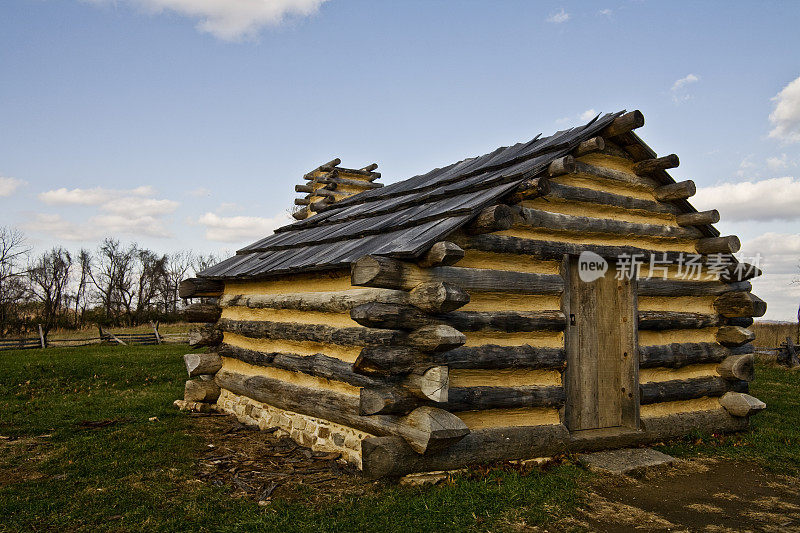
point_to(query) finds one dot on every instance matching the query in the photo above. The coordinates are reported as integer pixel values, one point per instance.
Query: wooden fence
(105, 337)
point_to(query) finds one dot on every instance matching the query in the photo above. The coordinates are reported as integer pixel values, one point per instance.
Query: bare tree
(112, 275)
(49, 276)
(152, 272)
(13, 251)
(81, 296)
(178, 266)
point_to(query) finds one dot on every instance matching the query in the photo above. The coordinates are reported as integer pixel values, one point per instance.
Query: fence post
(41, 336)
(155, 330)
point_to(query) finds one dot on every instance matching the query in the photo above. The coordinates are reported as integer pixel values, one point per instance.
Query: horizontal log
(202, 363)
(611, 174)
(431, 430)
(370, 167)
(675, 191)
(389, 360)
(302, 201)
(205, 335)
(741, 405)
(740, 304)
(687, 389)
(340, 409)
(201, 312)
(553, 250)
(391, 457)
(734, 336)
(736, 271)
(429, 382)
(200, 390)
(301, 214)
(392, 316)
(377, 271)
(530, 189)
(660, 320)
(556, 221)
(591, 196)
(253, 357)
(676, 355)
(319, 205)
(491, 356)
(326, 302)
(561, 166)
(701, 218)
(442, 253)
(480, 398)
(718, 245)
(737, 367)
(387, 401)
(303, 188)
(355, 336)
(508, 321)
(336, 181)
(656, 164)
(669, 287)
(742, 322)
(624, 124)
(200, 288)
(712, 421)
(595, 144)
(494, 218)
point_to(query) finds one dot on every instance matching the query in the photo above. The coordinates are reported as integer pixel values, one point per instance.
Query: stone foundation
(314, 433)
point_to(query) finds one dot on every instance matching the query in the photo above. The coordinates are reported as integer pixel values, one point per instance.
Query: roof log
(701, 218)
(650, 166)
(624, 124)
(675, 191)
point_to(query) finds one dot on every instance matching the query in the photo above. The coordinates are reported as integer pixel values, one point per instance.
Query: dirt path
(698, 495)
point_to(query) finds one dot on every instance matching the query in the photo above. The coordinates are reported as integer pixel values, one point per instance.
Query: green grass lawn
(138, 474)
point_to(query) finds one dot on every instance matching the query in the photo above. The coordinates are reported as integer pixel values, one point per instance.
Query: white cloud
(55, 225)
(240, 228)
(97, 227)
(93, 196)
(9, 186)
(589, 114)
(777, 163)
(770, 199)
(558, 17)
(145, 225)
(778, 256)
(678, 88)
(139, 207)
(231, 20)
(605, 12)
(786, 115)
(746, 166)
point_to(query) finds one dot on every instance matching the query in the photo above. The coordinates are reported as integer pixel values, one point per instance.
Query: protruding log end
(675, 191)
(437, 338)
(438, 297)
(429, 383)
(741, 404)
(561, 166)
(201, 312)
(649, 166)
(377, 271)
(200, 288)
(740, 304)
(530, 189)
(739, 272)
(301, 214)
(495, 218)
(370, 167)
(431, 429)
(595, 144)
(202, 363)
(442, 253)
(201, 390)
(739, 366)
(335, 162)
(205, 335)
(702, 218)
(387, 401)
(624, 124)
(729, 244)
(303, 188)
(733, 336)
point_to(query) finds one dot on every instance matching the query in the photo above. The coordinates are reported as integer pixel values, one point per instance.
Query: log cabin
(524, 303)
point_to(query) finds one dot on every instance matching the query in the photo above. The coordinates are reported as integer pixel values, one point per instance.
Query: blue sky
(186, 124)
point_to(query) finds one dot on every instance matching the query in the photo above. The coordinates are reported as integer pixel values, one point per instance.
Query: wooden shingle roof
(404, 219)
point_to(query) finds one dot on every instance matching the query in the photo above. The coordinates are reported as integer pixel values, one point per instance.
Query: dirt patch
(260, 466)
(20, 457)
(708, 495)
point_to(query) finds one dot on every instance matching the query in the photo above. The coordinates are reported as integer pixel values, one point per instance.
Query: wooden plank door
(602, 375)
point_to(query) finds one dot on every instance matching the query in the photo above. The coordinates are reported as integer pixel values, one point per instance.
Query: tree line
(113, 285)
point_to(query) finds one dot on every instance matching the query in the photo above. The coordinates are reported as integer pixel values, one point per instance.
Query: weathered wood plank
(490, 356)
(676, 355)
(659, 320)
(687, 389)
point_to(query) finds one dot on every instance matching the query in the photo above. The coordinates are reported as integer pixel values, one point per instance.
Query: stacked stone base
(315, 433)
